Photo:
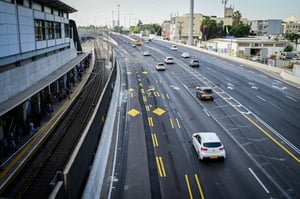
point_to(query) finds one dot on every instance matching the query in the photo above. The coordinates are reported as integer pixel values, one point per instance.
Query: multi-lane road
(255, 114)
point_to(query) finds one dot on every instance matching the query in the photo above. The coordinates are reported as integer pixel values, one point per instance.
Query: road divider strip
(188, 186)
(147, 108)
(171, 121)
(177, 121)
(199, 186)
(154, 140)
(150, 121)
(160, 167)
(144, 98)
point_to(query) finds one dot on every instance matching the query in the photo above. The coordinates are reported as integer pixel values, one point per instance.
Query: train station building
(40, 60)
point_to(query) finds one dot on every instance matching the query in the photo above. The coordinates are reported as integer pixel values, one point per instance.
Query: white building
(247, 47)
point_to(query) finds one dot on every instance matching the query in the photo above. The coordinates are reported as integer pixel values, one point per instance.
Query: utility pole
(112, 19)
(191, 26)
(119, 18)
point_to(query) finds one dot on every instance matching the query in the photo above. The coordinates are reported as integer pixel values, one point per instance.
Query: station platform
(29, 144)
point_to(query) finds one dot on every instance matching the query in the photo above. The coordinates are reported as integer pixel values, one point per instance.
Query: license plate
(214, 157)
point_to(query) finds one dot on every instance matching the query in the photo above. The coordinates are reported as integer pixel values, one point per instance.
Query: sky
(102, 12)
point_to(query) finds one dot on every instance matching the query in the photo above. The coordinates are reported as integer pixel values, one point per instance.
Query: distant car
(185, 55)
(256, 58)
(138, 43)
(169, 60)
(174, 47)
(146, 53)
(160, 67)
(194, 63)
(133, 45)
(295, 60)
(208, 145)
(204, 93)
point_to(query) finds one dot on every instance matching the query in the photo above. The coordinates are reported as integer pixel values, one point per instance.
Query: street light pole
(112, 19)
(191, 26)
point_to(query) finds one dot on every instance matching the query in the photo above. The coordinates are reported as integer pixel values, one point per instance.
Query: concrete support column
(191, 25)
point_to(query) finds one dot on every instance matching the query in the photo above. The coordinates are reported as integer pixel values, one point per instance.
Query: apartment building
(292, 25)
(267, 27)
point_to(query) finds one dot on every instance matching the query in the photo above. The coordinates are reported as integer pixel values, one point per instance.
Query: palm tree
(236, 17)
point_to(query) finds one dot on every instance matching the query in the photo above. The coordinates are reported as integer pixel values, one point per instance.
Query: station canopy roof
(58, 5)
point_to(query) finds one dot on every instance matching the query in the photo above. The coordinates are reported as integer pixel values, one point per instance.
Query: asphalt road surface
(254, 113)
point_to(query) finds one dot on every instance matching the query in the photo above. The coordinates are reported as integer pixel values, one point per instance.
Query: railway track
(34, 181)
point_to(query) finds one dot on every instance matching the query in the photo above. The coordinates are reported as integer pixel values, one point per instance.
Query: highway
(254, 113)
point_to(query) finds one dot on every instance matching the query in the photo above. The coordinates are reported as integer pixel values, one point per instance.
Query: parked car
(160, 67)
(146, 53)
(169, 60)
(194, 63)
(256, 58)
(185, 55)
(287, 55)
(295, 60)
(208, 145)
(174, 47)
(204, 93)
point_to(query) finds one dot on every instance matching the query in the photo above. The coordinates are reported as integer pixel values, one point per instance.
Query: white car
(185, 55)
(174, 47)
(169, 60)
(160, 67)
(295, 60)
(146, 53)
(208, 145)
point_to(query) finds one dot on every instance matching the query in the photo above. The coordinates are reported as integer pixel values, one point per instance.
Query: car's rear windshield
(195, 61)
(212, 144)
(208, 91)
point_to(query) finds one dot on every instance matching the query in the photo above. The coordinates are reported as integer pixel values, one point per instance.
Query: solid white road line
(263, 186)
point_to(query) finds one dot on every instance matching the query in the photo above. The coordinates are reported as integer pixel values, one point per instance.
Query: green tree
(292, 37)
(152, 28)
(288, 48)
(240, 30)
(118, 29)
(208, 28)
(236, 18)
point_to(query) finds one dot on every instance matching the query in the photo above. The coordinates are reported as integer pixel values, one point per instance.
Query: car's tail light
(203, 149)
(222, 148)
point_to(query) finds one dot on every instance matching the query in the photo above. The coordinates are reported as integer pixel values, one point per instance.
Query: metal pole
(191, 26)
(112, 19)
(119, 17)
